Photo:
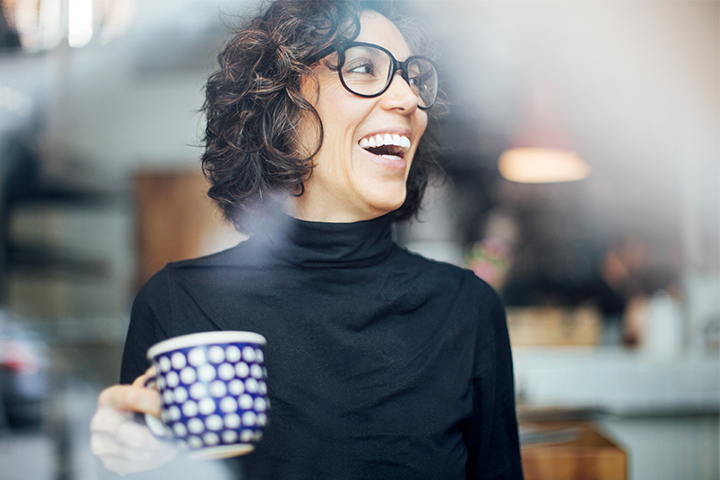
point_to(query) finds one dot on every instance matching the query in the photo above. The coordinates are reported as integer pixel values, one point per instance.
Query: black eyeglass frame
(394, 67)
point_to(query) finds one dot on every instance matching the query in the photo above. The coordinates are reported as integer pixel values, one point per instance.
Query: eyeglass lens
(366, 71)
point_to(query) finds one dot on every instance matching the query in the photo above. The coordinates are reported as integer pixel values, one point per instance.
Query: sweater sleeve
(492, 434)
(150, 322)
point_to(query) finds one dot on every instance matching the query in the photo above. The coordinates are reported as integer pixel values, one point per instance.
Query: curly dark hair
(254, 104)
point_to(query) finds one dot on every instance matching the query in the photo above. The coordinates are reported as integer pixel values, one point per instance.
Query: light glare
(80, 22)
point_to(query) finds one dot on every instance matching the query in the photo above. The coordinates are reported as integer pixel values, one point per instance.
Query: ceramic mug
(213, 392)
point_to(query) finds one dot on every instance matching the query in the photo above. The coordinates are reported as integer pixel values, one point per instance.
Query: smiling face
(369, 143)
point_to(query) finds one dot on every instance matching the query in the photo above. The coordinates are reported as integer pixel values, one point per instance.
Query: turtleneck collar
(319, 244)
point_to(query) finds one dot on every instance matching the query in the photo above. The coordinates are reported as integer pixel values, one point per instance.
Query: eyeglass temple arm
(321, 54)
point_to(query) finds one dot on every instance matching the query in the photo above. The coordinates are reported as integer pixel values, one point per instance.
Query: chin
(388, 205)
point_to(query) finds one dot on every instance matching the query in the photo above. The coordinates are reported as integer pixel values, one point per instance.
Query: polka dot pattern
(213, 395)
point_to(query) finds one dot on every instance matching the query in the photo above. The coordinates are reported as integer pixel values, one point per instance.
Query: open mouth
(387, 145)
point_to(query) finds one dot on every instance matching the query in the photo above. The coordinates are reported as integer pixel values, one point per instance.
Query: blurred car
(23, 379)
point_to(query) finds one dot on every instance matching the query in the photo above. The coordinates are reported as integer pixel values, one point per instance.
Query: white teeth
(385, 139)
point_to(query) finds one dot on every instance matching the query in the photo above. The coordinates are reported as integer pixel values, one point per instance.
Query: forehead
(377, 29)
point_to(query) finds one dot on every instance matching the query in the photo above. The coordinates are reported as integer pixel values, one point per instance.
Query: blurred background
(582, 146)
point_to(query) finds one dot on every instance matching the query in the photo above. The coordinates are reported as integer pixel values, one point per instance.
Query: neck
(302, 209)
(314, 243)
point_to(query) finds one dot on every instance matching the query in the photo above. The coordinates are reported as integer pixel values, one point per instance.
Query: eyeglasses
(367, 70)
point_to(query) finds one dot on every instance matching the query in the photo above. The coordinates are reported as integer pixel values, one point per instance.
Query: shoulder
(209, 268)
(233, 256)
(160, 286)
(442, 270)
(468, 288)
(153, 299)
(470, 300)
(414, 260)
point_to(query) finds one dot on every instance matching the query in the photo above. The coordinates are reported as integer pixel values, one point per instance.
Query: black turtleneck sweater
(381, 364)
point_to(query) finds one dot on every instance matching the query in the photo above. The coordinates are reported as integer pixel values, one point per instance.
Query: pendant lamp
(541, 152)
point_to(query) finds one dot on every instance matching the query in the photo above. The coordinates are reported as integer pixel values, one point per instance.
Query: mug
(213, 392)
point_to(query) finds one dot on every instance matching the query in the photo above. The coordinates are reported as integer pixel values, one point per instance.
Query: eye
(420, 77)
(360, 67)
(415, 81)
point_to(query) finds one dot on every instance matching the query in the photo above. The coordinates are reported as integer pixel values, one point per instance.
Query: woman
(382, 364)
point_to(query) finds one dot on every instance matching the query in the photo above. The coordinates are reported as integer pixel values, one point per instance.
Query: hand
(123, 445)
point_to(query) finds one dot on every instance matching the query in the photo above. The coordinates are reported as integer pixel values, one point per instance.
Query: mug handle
(154, 424)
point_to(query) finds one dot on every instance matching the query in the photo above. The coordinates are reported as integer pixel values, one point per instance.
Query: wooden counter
(570, 451)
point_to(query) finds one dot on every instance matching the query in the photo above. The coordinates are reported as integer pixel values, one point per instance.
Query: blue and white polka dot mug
(213, 391)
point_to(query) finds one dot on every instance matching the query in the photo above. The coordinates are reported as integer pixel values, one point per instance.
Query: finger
(103, 445)
(108, 420)
(147, 456)
(140, 381)
(136, 435)
(131, 399)
(121, 465)
(132, 442)
(137, 458)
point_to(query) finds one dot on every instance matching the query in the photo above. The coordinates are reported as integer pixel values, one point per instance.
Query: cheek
(422, 121)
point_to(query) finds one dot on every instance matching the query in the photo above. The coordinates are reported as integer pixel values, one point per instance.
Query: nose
(400, 96)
